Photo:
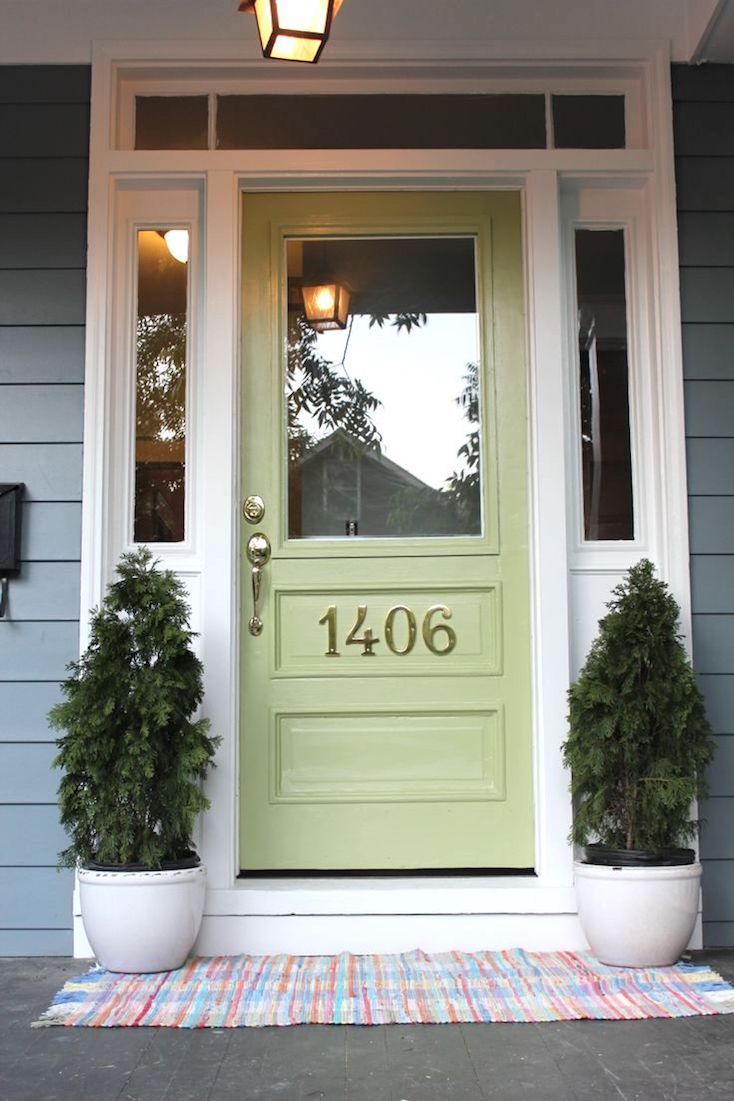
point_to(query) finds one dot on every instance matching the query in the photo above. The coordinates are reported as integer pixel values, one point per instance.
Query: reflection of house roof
(367, 454)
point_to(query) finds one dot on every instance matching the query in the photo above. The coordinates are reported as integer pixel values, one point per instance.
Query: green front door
(386, 689)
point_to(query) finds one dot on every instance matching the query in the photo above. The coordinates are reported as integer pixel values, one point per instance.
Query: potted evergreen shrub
(637, 748)
(132, 761)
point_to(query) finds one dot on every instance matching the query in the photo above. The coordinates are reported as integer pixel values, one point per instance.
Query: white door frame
(327, 915)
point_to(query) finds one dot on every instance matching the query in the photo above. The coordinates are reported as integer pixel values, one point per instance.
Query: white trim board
(541, 909)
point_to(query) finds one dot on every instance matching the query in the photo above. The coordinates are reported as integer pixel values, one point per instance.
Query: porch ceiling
(45, 31)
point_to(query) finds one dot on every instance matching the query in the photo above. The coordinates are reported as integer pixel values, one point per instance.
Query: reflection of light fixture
(177, 243)
(326, 306)
(293, 30)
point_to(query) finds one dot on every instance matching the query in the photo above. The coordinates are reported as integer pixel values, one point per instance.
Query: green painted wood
(417, 761)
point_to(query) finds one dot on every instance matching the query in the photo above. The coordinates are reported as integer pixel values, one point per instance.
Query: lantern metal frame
(310, 36)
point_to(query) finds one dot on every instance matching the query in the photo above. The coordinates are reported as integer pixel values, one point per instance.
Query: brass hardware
(389, 629)
(429, 630)
(367, 641)
(328, 619)
(253, 509)
(258, 555)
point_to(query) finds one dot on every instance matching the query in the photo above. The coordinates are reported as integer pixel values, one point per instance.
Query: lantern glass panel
(288, 48)
(264, 21)
(303, 15)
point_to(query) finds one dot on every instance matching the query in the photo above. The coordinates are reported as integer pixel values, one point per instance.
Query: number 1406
(438, 637)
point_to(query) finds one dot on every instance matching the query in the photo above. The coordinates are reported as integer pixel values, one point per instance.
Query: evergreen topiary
(132, 758)
(639, 740)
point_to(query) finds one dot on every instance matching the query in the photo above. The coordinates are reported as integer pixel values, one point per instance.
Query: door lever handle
(258, 555)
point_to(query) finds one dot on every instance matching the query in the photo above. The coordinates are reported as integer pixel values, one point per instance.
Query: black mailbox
(11, 498)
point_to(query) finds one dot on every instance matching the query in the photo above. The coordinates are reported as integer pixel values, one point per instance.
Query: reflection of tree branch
(317, 389)
(407, 319)
(161, 377)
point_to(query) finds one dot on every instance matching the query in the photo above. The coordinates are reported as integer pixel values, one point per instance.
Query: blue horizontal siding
(44, 141)
(45, 297)
(24, 706)
(51, 531)
(703, 117)
(49, 353)
(45, 185)
(45, 591)
(43, 240)
(37, 650)
(36, 942)
(50, 473)
(36, 414)
(26, 775)
(35, 898)
(718, 692)
(30, 836)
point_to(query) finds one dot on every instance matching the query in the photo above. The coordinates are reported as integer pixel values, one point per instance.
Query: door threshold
(388, 873)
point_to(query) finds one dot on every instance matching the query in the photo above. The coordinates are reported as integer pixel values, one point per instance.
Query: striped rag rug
(415, 987)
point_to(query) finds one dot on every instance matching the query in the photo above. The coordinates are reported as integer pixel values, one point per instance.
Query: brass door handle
(258, 555)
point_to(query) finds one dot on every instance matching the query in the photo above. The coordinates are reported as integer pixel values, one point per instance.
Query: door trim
(538, 175)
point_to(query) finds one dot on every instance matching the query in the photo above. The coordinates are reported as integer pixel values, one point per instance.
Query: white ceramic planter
(142, 921)
(638, 917)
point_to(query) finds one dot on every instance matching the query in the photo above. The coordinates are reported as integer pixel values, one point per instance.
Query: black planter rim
(605, 856)
(189, 859)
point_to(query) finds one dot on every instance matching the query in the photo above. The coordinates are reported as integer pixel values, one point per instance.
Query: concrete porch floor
(687, 1060)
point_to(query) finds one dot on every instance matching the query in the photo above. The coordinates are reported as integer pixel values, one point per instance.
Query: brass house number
(438, 637)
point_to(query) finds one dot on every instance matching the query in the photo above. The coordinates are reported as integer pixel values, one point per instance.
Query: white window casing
(630, 189)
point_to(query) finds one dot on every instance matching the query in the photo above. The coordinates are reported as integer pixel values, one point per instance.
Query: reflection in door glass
(382, 386)
(604, 385)
(160, 386)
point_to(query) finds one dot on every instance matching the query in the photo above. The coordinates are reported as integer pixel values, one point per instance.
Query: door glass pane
(382, 386)
(604, 385)
(160, 386)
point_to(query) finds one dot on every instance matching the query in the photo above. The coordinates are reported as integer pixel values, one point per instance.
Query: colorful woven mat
(234, 991)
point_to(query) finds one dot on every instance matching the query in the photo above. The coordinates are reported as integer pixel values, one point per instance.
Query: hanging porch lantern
(293, 30)
(326, 306)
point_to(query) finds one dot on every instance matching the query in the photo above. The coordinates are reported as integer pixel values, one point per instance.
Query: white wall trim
(542, 908)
